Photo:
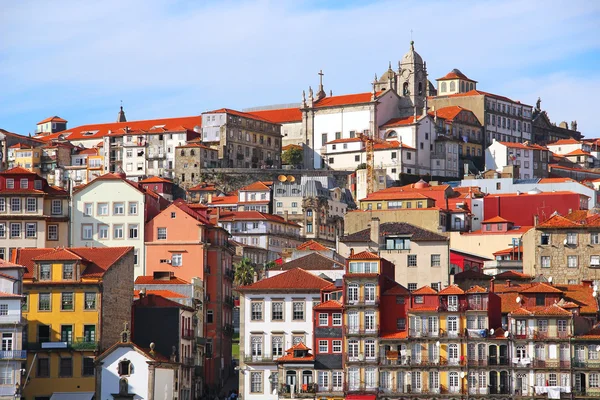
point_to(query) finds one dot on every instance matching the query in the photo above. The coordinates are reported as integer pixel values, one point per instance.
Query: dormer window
(24, 184)
(452, 303)
(45, 272)
(10, 183)
(418, 299)
(125, 368)
(67, 272)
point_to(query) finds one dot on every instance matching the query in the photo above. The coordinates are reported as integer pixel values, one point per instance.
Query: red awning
(361, 397)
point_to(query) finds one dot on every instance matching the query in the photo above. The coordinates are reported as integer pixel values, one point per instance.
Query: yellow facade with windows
(28, 158)
(402, 201)
(59, 330)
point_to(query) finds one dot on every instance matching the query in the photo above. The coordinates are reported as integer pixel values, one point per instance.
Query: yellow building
(390, 200)
(76, 302)
(25, 156)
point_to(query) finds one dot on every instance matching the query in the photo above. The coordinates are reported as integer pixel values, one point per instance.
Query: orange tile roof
(97, 260)
(556, 180)
(509, 251)
(167, 294)
(311, 245)
(203, 187)
(149, 280)
(394, 195)
(424, 290)
(401, 121)
(58, 254)
(17, 171)
(513, 275)
(564, 141)
(52, 119)
(21, 146)
(346, 99)
(253, 216)
(9, 265)
(329, 305)
(554, 309)
(296, 280)
(558, 221)
(577, 152)
(482, 93)
(155, 179)
(364, 255)
(448, 113)
(451, 290)
(454, 74)
(497, 219)
(522, 146)
(254, 187)
(476, 289)
(178, 124)
(508, 302)
(394, 335)
(6, 294)
(511, 232)
(230, 199)
(541, 287)
(345, 140)
(279, 116)
(520, 311)
(291, 146)
(391, 144)
(240, 114)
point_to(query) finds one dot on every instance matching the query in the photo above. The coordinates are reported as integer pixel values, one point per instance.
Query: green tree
(292, 156)
(244, 272)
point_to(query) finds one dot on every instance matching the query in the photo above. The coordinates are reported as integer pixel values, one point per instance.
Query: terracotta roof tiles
(311, 262)
(476, 289)
(329, 305)
(541, 287)
(150, 280)
(295, 280)
(496, 219)
(311, 245)
(396, 228)
(279, 116)
(451, 290)
(424, 290)
(364, 255)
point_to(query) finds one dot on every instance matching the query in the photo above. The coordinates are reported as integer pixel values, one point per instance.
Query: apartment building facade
(531, 160)
(76, 301)
(190, 160)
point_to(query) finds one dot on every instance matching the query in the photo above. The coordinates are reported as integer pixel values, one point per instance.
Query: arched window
(471, 87)
(183, 152)
(192, 152)
(307, 377)
(124, 367)
(392, 134)
(462, 86)
(443, 87)
(352, 292)
(452, 86)
(405, 89)
(420, 88)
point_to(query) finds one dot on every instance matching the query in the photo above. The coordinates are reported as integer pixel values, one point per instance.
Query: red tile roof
(294, 280)
(311, 245)
(155, 179)
(564, 141)
(497, 219)
(364, 255)
(401, 121)
(203, 187)
(93, 152)
(21, 146)
(289, 356)
(345, 140)
(577, 152)
(395, 195)
(198, 216)
(451, 290)
(253, 216)
(17, 171)
(59, 254)
(391, 144)
(240, 114)
(121, 177)
(98, 131)
(149, 280)
(229, 199)
(97, 260)
(554, 309)
(424, 290)
(168, 294)
(513, 275)
(541, 287)
(508, 302)
(482, 93)
(6, 294)
(279, 116)
(195, 146)
(448, 113)
(476, 289)
(9, 265)
(522, 146)
(509, 251)
(346, 99)
(573, 220)
(256, 186)
(454, 74)
(52, 119)
(329, 305)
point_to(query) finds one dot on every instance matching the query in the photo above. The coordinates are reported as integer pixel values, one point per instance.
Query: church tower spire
(321, 92)
(121, 115)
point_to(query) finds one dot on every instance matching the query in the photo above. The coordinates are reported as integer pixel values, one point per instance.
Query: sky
(169, 58)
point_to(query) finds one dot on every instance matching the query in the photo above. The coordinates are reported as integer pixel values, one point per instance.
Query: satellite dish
(462, 374)
(595, 288)
(598, 348)
(437, 344)
(506, 334)
(549, 279)
(595, 294)
(492, 331)
(518, 299)
(290, 178)
(565, 242)
(282, 178)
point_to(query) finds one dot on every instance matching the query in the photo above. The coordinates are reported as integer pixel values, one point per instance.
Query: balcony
(478, 390)
(362, 301)
(189, 361)
(361, 388)
(229, 301)
(355, 330)
(155, 156)
(477, 363)
(188, 334)
(360, 359)
(13, 355)
(472, 306)
(592, 364)
(423, 333)
(452, 307)
(301, 391)
(80, 344)
(84, 344)
(330, 389)
(229, 273)
(260, 359)
(394, 362)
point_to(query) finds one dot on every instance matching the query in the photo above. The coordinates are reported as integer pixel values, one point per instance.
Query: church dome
(421, 184)
(387, 75)
(412, 57)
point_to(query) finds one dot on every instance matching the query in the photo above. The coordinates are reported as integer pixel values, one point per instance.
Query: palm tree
(244, 272)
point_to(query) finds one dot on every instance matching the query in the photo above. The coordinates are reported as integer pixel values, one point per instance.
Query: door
(493, 382)
(453, 354)
(7, 341)
(503, 354)
(522, 386)
(493, 355)
(453, 385)
(353, 321)
(452, 326)
(503, 382)
(290, 381)
(452, 303)
(432, 326)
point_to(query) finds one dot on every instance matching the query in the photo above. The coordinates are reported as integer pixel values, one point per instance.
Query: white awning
(72, 396)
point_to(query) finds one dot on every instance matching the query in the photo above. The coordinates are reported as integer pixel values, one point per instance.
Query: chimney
(492, 285)
(508, 283)
(375, 231)
(536, 220)
(351, 251)
(286, 216)
(587, 283)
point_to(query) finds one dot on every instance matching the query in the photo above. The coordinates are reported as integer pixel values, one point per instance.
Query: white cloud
(175, 58)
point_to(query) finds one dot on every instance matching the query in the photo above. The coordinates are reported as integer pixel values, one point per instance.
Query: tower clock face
(406, 73)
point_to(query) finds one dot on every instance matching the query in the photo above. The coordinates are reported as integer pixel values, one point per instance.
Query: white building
(259, 229)
(531, 160)
(11, 328)
(315, 263)
(275, 314)
(128, 371)
(111, 211)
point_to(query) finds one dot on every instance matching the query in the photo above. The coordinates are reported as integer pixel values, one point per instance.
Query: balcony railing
(187, 333)
(578, 363)
(483, 306)
(394, 362)
(229, 273)
(478, 390)
(13, 355)
(189, 361)
(361, 330)
(258, 359)
(452, 307)
(477, 363)
(329, 389)
(306, 390)
(363, 301)
(360, 387)
(229, 301)
(414, 333)
(361, 358)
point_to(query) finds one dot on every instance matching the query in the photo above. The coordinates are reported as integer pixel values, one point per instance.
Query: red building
(528, 209)
(159, 185)
(463, 261)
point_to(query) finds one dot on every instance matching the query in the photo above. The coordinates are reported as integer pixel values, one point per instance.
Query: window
(31, 230)
(209, 316)
(256, 382)
(56, 207)
(323, 346)
(256, 311)
(298, 311)
(15, 204)
(323, 319)
(90, 301)
(124, 368)
(572, 261)
(337, 319)
(67, 301)
(133, 231)
(542, 325)
(15, 230)
(545, 261)
(177, 260)
(336, 346)
(3, 309)
(161, 234)
(43, 367)
(545, 239)
(45, 272)
(87, 209)
(395, 243)
(277, 346)
(87, 231)
(412, 260)
(594, 381)
(10, 183)
(571, 238)
(277, 311)
(594, 238)
(133, 208)
(118, 231)
(419, 299)
(102, 209)
(412, 286)
(2, 204)
(52, 232)
(119, 209)
(102, 232)
(67, 271)
(31, 204)
(88, 368)
(66, 367)
(435, 260)
(561, 325)
(401, 324)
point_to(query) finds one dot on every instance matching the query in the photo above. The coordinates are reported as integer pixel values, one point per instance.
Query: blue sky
(167, 58)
